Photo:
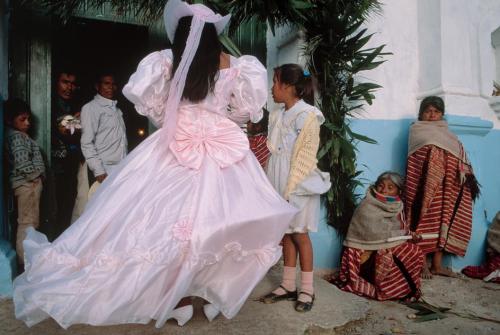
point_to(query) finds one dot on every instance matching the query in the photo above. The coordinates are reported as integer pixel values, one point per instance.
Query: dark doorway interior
(91, 46)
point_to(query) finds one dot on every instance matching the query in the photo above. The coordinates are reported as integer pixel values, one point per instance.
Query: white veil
(174, 10)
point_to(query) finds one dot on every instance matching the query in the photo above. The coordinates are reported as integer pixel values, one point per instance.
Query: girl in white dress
(188, 213)
(293, 140)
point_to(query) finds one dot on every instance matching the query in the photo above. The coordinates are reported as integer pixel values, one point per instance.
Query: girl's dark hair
(13, 108)
(433, 101)
(293, 74)
(202, 74)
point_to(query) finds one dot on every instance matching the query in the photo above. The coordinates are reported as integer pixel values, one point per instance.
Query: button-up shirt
(104, 140)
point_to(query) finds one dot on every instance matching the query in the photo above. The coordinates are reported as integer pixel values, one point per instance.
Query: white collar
(105, 102)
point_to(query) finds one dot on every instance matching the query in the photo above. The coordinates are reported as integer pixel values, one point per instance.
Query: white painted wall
(440, 47)
(397, 28)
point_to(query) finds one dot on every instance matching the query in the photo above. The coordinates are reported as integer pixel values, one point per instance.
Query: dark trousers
(65, 179)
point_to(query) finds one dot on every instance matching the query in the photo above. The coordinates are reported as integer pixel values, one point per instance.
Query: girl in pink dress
(188, 213)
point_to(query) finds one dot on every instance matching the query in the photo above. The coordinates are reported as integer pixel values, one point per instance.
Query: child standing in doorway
(26, 169)
(293, 140)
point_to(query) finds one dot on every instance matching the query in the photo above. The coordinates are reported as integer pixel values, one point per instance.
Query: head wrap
(395, 177)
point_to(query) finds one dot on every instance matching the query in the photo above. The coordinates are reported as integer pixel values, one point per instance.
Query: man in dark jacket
(65, 152)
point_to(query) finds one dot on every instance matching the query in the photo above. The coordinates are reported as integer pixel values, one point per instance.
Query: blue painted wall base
(327, 245)
(482, 144)
(7, 268)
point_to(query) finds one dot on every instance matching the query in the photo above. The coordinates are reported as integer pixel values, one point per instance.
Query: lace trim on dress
(236, 251)
(155, 255)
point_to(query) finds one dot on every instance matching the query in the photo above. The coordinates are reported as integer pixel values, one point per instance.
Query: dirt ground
(335, 313)
(466, 297)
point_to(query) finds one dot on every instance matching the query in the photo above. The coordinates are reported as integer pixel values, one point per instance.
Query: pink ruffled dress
(199, 218)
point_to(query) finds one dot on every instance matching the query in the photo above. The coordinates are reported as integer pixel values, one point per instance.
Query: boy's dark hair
(204, 68)
(293, 74)
(13, 108)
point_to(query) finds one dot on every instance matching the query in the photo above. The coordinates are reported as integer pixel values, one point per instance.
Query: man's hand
(63, 130)
(415, 237)
(100, 178)
(67, 132)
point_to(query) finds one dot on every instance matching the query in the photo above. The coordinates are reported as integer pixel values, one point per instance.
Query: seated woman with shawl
(378, 262)
(440, 187)
(490, 269)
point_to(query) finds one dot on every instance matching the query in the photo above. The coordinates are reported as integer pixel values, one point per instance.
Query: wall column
(452, 67)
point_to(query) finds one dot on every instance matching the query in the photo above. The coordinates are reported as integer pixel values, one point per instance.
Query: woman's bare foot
(446, 272)
(426, 273)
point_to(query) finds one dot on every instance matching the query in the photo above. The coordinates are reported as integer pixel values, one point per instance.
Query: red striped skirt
(387, 279)
(435, 201)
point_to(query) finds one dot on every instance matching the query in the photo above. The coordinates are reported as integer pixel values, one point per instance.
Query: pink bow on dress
(224, 142)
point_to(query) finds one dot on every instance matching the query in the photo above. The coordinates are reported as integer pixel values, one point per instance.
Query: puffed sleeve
(302, 117)
(250, 90)
(148, 87)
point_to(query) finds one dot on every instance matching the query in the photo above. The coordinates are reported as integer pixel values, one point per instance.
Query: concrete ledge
(467, 125)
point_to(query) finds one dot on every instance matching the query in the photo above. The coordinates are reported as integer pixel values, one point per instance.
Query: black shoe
(303, 307)
(271, 298)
